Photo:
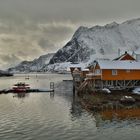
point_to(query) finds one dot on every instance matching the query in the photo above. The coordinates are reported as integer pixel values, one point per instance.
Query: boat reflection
(21, 95)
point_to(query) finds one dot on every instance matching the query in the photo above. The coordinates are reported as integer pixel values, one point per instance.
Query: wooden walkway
(6, 91)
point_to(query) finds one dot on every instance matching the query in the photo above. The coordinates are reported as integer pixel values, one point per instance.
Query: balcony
(93, 76)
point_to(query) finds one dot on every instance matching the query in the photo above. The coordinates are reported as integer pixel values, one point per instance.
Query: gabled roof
(131, 65)
(125, 56)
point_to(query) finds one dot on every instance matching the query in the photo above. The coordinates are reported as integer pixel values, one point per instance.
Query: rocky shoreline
(99, 101)
(5, 73)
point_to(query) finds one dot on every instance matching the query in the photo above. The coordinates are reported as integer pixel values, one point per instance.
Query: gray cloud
(7, 40)
(9, 60)
(29, 28)
(44, 44)
(57, 31)
(62, 10)
(33, 39)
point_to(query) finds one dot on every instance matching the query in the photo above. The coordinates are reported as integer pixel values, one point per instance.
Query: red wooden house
(122, 72)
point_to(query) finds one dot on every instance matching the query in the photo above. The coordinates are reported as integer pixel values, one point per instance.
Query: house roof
(85, 69)
(132, 65)
(125, 56)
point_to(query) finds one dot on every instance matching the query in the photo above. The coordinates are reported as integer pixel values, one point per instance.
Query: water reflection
(51, 95)
(58, 116)
(26, 94)
(125, 113)
(76, 110)
(20, 95)
(121, 114)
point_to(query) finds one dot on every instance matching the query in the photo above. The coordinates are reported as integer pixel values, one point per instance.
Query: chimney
(119, 52)
(133, 53)
(137, 57)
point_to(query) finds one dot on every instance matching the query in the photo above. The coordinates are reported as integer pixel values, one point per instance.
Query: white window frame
(128, 70)
(114, 72)
(98, 72)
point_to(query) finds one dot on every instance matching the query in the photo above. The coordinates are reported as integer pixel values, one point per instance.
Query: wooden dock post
(73, 89)
(52, 86)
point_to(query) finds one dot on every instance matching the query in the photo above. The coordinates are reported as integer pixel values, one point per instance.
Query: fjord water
(58, 116)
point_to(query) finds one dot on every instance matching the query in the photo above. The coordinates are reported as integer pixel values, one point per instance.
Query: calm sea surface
(58, 116)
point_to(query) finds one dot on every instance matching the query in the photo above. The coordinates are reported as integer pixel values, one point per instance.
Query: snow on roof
(123, 55)
(85, 69)
(76, 70)
(119, 65)
(90, 74)
(79, 65)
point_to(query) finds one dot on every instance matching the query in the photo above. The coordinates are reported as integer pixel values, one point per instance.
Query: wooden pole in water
(73, 90)
(52, 86)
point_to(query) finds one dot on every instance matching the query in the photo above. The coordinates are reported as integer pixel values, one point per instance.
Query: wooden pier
(33, 90)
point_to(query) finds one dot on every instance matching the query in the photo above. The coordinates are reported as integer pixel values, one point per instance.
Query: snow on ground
(106, 90)
(136, 90)
(64, 67)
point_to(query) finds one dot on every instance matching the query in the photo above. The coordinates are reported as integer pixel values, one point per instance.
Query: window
(97, 72)
(114, 72)
(127, 71)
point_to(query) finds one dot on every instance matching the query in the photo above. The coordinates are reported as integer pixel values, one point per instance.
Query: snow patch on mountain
(32, 66)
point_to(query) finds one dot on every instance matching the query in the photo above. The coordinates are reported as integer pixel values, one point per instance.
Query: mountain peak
(80, 30)
(132, 21)
(111, 25)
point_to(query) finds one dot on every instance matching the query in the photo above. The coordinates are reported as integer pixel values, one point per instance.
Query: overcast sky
(30, 28)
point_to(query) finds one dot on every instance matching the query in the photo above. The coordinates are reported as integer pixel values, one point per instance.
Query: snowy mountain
(88, 44)
(32, 66)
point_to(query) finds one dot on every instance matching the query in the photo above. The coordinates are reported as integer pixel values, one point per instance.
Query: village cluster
(117, 74)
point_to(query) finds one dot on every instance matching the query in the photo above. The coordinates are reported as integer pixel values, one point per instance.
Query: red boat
(21, 87)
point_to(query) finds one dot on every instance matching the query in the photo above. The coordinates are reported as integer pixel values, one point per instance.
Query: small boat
(20, 87)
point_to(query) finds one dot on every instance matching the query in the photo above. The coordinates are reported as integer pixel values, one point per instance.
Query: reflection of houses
(131, 113)
(120, 73)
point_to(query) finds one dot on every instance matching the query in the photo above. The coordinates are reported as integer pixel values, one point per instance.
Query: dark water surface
(58, 116)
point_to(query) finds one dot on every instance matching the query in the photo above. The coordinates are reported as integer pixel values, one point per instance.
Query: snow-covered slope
(32, 66)
(88, 44)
